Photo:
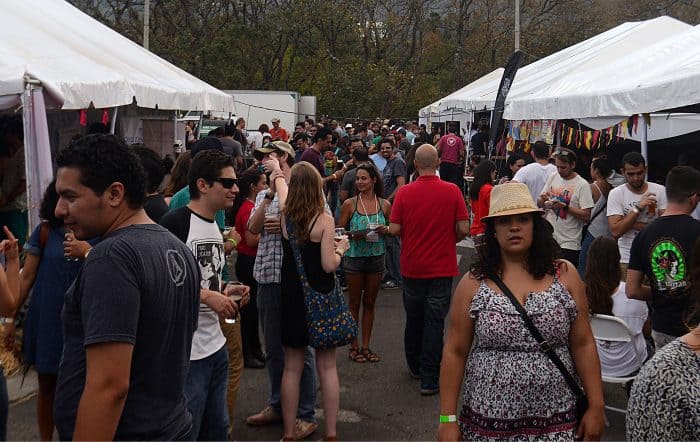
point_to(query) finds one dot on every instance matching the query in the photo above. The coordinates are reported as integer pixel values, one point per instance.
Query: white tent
(79, 61)
(663, 73)
(473, 89)
(550, 75)
(52, 55)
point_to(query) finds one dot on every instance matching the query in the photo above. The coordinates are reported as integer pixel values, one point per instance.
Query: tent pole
(113, 123)
(643, 140)
(29, 147)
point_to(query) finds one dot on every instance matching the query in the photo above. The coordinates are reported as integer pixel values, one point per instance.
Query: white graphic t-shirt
(203, 238)
(575, 192)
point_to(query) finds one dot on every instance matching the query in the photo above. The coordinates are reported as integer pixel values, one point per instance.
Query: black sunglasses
(227, 183)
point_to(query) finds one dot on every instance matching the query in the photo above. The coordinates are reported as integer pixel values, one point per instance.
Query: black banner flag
(511, 69)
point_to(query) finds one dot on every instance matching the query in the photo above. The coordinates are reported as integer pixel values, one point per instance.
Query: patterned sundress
(512, 390)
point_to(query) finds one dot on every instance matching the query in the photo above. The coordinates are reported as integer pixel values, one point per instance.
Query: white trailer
(258, 107)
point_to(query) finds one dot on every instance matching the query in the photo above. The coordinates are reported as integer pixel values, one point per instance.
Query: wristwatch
(269, 195)
(635, 209)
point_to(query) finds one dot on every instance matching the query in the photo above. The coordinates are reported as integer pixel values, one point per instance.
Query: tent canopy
(469, 92)
(661, 74)
(546, 79)
(80, 61)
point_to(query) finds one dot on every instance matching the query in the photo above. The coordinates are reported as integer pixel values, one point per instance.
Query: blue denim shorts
(365, 264)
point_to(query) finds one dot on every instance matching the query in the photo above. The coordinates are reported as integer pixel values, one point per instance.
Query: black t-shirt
(140, 285)
(661, 251)
(155, 207)
(477, 143)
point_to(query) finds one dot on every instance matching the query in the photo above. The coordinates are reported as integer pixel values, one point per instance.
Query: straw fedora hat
(510, 199)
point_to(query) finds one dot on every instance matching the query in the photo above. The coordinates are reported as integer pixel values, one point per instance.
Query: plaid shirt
(268, 261)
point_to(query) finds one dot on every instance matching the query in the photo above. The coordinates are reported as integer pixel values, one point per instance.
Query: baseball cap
(348, 126)
(275, 120)
(276, 146)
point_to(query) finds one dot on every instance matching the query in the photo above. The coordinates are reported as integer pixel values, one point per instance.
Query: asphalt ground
(379, 401)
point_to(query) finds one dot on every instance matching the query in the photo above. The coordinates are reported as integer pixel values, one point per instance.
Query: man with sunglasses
(212, 185)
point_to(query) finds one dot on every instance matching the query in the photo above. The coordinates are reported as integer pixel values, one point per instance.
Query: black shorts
(365, 264)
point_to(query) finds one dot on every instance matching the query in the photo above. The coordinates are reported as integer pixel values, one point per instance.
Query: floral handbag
(328, 318)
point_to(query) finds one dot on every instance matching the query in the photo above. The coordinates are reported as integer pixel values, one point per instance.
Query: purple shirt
(315, 159)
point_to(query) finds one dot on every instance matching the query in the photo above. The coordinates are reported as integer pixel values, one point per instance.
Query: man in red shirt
(430, 216)
(451, 150)
(278, 133)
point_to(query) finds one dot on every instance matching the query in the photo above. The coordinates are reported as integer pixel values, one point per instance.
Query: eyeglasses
(226, 183)
(269, 146)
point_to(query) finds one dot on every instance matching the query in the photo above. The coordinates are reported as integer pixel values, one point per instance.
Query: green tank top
(361, 248)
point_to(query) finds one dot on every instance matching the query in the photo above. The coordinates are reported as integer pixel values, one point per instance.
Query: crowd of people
(138, 328)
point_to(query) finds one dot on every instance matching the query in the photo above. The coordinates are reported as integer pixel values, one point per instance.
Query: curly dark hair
(103, 160)
(541, 256)
(602, 275)
(47, 211)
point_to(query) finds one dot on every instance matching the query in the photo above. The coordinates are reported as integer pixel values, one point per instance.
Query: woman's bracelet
(233, 241)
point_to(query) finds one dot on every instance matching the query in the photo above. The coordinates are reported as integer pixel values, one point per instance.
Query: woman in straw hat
(512, 389)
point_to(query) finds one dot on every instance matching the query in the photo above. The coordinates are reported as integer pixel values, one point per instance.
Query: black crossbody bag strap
(544, 345)
(595, 215)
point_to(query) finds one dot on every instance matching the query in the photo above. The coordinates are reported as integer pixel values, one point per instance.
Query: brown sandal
(369, 356)
(356, 355)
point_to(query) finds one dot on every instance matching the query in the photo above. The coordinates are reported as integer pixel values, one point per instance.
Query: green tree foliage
(364, 58)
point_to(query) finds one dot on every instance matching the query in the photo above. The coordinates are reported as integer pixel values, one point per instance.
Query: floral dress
(512, 390)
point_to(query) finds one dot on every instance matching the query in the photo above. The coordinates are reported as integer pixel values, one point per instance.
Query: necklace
(376, 207)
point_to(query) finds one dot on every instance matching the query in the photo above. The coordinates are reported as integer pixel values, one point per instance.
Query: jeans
(249, 314)
(269, 306)
(585, 245)
(393, 258)
(426, 302)
(4, 405)
(205, 391)
(232, 332)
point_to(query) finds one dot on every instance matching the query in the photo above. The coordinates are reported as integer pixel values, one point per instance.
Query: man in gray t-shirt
(394, 176)
(129, 317)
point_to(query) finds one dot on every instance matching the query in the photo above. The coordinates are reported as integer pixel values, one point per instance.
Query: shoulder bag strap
(595, 215)
(297, 255)
(544, 345)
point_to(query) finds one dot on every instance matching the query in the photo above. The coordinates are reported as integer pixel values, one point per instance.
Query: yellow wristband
(233, 241)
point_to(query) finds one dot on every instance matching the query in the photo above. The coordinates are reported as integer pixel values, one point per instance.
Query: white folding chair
(611, 328)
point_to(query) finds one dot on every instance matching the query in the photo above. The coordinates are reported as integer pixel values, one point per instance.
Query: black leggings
(250, 335)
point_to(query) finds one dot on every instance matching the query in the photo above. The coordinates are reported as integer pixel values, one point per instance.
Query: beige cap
(276, 146)
(510, 199)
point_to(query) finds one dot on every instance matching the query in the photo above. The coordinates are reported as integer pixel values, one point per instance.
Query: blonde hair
(305, 199)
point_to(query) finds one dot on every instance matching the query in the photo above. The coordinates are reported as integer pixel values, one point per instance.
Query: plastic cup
(237, 299)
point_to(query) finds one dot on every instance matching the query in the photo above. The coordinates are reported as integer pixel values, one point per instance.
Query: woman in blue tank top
(366, 219)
